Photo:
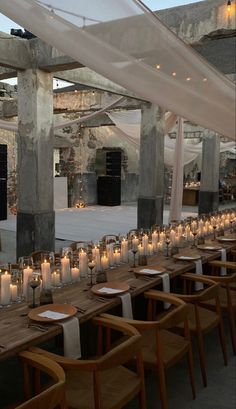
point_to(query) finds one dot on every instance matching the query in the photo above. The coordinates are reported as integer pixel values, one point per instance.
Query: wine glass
(91, 266)
(34, 282)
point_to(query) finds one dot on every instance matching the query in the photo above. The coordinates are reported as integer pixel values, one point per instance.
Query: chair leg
(202, 357)
(222, 341)
(162, 386)
(191, 371)
(232, 329)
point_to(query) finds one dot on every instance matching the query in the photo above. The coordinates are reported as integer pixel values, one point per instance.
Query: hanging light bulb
(229, 6)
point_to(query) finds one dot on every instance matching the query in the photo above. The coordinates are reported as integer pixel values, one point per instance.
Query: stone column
(151, 169)
(209, 189)
(35, 217)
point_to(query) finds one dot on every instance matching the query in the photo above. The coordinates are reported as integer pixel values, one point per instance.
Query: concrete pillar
(151, 170)
(35, 216)
(209, 189)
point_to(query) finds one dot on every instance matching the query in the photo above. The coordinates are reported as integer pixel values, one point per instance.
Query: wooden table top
(15, 335)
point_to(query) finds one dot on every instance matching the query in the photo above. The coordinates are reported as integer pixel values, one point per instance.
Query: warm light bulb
(158, 66)
(174, 74)
(188, 79)
(229, 6)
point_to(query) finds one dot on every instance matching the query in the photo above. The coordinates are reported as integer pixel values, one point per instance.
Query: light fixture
(229, 5)
(188, 79)
(158, 66)
(174, 74)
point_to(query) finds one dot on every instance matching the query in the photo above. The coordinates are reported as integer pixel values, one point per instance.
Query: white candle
(135, 242)
(162, 236)
(104, 261)
(97, 258)
(46, 275)
(180, 229)
(13, 288)
(154, 240)
(55, 279)
(110, 254)
(65, 270)
(75, 274)
(27, 272)
(172, 236)
(83, 264)
(150, 249)
(117, 257)
(124, 251)
(140, 250)
(5, 288)
(145, 244)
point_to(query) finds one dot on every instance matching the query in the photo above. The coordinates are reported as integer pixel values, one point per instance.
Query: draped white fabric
(178, 173)
(125, 42)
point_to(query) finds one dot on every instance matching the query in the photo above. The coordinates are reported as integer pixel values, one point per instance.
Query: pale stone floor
(91, 224)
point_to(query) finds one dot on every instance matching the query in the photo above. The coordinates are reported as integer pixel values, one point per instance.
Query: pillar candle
(180, 230)
(75, 274)
(13, 288)
(55, 279)
(135, 242)
(150, 249)
(97, 258)
(140, 250)
(83, 264)
(65, 270)
(154, 240)
(104, 261)
(117, 257)
(110, 254)
(124, 251)
(46, 275)
(162, 236)
(27, 272)
(5, 288)
(172, 236)
(145, 244)
(187, 232)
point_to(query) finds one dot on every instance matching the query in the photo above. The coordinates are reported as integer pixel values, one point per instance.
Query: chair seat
(223, 299)
(173, 345)
(117, 385)
(209, 319)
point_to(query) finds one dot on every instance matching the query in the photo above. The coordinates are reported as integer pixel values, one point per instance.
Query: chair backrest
(50, 397)
(110, 238)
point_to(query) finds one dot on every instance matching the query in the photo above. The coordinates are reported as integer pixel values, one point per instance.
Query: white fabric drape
(126, 43)
(177, 179)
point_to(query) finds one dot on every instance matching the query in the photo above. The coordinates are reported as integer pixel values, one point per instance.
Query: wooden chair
(162, 348)
(49, 397)
(202, 320)
(109, 238)
(104, 381)
(227, 295)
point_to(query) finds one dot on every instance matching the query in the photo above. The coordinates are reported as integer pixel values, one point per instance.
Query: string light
(158, 66)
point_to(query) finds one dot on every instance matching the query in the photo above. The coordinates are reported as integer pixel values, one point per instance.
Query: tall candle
(110, 254)
(124, 251)
(5, 288)
(104, 261)
(65, 270)
(75, 274)
(145, 244)
(180, 229)
(150, 249)
(140, 250)
(55, 279)
(83, 264)
(46, 275)
(13, 288)
(117, 256)
(97, 258)
(135, 242)
(27, 272)
(154, 240)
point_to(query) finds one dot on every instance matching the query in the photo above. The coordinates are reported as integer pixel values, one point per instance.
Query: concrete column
(35, 217)
(209, 189)
(151, 170)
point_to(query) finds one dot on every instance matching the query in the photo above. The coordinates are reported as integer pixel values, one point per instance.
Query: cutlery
(39, 327)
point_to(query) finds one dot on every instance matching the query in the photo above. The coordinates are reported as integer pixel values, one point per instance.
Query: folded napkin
(223, 271)
(127, 311)
(71, 334)
(166, 287)
(150, 271)
(198, 285)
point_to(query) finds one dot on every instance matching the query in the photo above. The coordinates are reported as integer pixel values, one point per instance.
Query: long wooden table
(15, 335)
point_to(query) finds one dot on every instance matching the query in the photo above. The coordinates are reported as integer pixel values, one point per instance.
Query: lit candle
(104, 261)
(187, 232)
(180, 229)
(162, 236)
(27, 272)
(5, 288)
(97, 258)
(13, 288)
(124, 251)
(172, 236)
(46, 275)
(140, 250)
(56, 279)
(150, 249)
(110, 254)
(145, 244)
(65, 270)
(75, 274)
(83, 264)
(154, 240)
(117, 256)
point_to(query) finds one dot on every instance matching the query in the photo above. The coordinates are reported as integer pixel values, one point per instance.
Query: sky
(6, 24)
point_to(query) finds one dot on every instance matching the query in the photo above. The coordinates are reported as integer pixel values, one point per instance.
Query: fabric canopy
(125, 42)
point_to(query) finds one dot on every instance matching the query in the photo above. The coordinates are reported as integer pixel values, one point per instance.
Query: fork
(38, 326)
